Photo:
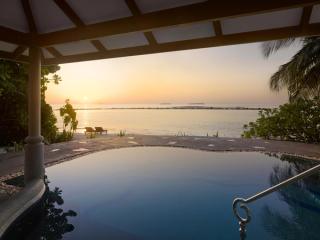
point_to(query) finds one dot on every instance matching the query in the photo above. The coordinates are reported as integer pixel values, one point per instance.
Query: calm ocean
(197, 122)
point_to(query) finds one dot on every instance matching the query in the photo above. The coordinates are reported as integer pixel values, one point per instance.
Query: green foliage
(63, 137)
(13, 99)
(13, 107)
(296, 121)
(45, 71)
(70, 121)
(122, 133)
(48, 123)
(301, 75)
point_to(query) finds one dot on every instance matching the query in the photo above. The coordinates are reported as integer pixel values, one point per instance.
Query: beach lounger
(101, 130)
(90, 131)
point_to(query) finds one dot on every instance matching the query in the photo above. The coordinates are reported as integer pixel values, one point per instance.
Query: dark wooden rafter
(133, 7)
(136, 12)
(18, 51)
(305, 18)
(257, 36)
(206, 11)
(54, 52)
(217, 28)
(15, 37)
(98, 45)
(42, 56)
(72, 15)
(10, 56)
(150, 37)
(19, 38)
(28, 12)
(209, 10)
(69, 12)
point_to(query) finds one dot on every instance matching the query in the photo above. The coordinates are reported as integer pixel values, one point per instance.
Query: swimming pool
(171, 193)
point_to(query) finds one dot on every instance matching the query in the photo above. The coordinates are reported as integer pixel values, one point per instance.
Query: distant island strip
(175, 108)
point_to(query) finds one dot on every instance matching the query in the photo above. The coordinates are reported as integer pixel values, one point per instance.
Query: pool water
(171, 193)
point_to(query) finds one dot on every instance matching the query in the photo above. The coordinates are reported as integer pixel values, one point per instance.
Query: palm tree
(301, 75)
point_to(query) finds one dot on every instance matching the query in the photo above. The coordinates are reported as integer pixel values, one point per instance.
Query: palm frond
(271, 47)
(301, 75)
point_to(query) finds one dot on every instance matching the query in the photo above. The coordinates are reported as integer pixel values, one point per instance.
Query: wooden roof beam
(257, 36)
(209, 10)
(18, 51)
(150, 37)
(69, 12)
(305, 19)
(10, 56)
(136, 12)
(73, 16)
(15, 37)
(54, 52)
(217, 28)
(133, 7)
(42, 56)
(98, 45)
(29, 16)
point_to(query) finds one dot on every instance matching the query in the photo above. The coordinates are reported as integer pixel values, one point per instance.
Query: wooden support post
(34, 150)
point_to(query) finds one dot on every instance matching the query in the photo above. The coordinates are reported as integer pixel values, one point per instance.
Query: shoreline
(171, 108)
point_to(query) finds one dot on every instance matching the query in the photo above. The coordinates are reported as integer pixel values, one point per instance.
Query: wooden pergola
(82, 30)
(44, 32)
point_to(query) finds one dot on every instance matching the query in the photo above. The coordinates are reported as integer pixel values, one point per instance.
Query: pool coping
(69, 158)
(12, 209)
(67, 150)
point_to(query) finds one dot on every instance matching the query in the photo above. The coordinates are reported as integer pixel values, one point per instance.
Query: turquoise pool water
(170, 193)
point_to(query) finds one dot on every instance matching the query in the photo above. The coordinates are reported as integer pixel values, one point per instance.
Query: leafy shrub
(296, 121)
(48, 123)
(70, 122)
(62, 137)
(122, 133)
(13, 99)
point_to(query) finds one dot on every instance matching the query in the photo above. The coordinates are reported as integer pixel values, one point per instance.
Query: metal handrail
(241, 202)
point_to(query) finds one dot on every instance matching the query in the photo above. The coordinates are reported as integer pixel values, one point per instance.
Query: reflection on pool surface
(169, 193)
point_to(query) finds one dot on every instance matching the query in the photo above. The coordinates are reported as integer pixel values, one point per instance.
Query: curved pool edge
(12, 209)
(78, 155)
(12, 165)
(92, 151)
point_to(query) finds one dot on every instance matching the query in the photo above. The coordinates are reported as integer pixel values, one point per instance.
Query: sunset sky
(223, 75)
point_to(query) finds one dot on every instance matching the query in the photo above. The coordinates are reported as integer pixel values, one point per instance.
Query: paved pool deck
(11, 164)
